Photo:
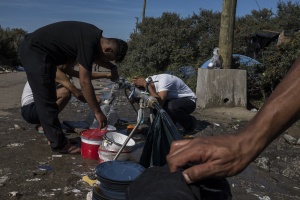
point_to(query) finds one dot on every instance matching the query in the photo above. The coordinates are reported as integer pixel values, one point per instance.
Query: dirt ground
(24, 151)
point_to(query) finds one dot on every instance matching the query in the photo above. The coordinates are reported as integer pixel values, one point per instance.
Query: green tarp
(161, 134)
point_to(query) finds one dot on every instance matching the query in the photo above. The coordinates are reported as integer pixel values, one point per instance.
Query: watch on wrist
(147, 85)
(148, 81)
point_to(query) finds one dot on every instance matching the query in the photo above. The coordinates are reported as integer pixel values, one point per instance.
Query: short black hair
(122, 49)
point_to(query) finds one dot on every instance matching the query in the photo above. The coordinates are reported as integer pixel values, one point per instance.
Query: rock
(89, 195)
(288, 173)
(296, 165)
(264, 198)
(298, 142)
(3, 179)
(17, 126)
(15, 145)
(263, 163)
(290, 139)
(14, 194)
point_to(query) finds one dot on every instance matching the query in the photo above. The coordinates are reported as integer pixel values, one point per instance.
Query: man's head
(114, 49)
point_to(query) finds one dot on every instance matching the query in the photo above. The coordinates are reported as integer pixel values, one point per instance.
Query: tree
(159, 43)
(10, 40)
(247, 25)
(169, 42)
(206, 33)
(288, 15)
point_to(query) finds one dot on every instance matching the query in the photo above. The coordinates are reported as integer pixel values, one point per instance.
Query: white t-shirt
(27, 96)
(175, 86)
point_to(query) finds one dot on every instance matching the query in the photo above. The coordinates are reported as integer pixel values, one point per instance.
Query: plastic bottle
(140, 116)
(95, 123)
(113, 117)
(215, 62)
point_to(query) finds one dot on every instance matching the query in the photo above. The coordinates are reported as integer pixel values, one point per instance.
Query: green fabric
(161, 134)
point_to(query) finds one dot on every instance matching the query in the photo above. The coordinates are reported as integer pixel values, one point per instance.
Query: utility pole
(136, 23)
(144, 10)
(226, 32)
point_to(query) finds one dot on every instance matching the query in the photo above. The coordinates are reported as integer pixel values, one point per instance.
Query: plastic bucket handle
(100, 130)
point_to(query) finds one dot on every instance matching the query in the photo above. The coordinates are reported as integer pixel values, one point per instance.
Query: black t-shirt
(67, 41)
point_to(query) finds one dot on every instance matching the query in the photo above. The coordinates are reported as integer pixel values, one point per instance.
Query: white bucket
(105, 155)
(113, 141)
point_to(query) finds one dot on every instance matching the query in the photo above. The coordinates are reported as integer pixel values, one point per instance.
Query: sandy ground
(274, 175)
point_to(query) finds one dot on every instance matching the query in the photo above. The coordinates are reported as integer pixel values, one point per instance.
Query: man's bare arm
(94, 75)
(89, 94)
(225, 156)
(109, 65)
(62, 79)
(160, 96)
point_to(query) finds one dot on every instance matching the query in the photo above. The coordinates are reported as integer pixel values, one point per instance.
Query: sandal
(70, 148)
(39, 129)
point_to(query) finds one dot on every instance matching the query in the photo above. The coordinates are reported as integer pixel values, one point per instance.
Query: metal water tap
(150, 101)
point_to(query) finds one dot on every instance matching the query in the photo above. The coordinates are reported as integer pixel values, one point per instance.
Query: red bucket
(90, 142)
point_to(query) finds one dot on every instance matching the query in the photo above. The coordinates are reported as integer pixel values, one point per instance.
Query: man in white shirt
(176, 98)
(28, 107)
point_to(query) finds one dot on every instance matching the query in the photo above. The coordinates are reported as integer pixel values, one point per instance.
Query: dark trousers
(179, 110)
(29, 114)
(41, 71)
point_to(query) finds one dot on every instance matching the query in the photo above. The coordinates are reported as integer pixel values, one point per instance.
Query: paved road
(11, 87)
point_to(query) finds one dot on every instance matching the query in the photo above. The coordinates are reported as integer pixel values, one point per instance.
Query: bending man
(63, 43)
(176, 98)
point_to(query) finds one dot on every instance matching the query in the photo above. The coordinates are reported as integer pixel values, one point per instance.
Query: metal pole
(151, 102)
(144, 10)
(128, 137)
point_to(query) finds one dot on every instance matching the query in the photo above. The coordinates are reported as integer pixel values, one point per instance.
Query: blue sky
(116, 18)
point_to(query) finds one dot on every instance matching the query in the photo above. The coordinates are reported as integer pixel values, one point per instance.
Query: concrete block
(221, 88)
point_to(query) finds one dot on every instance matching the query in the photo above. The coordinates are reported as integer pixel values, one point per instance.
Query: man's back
(67, 41)
(175, 86)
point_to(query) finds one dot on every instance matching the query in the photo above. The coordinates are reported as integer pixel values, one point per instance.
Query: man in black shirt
(63, 43)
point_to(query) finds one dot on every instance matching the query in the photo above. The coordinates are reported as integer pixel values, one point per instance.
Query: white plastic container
(105, 155)
(111, 144)
(113, 141)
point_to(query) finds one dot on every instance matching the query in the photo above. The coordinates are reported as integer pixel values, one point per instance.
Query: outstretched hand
(101, 119)
(139, 82)
(218, 157)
